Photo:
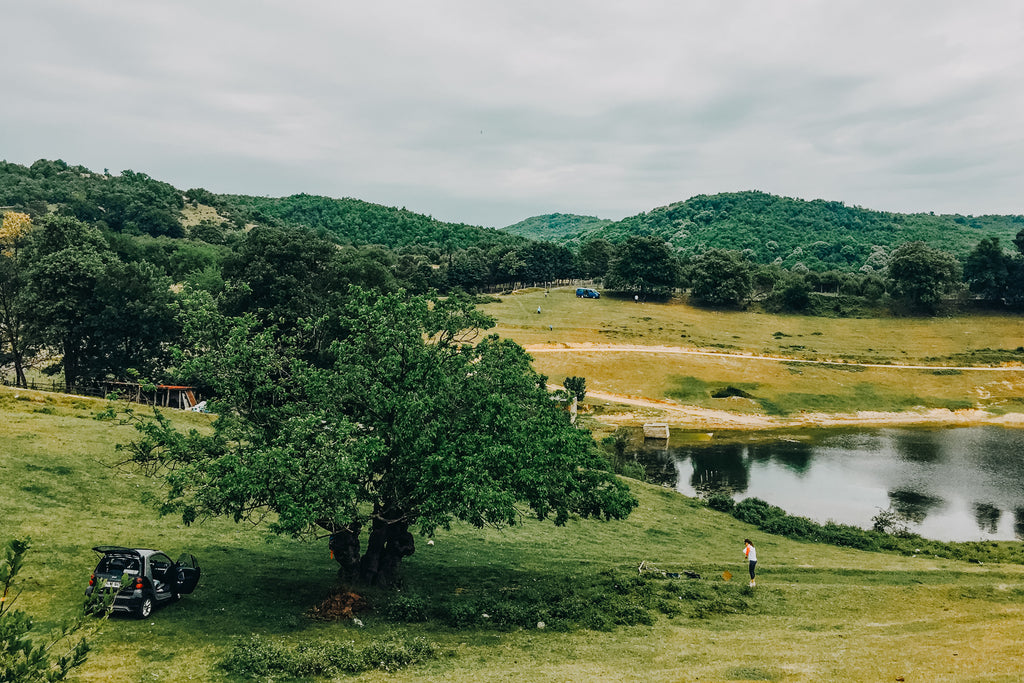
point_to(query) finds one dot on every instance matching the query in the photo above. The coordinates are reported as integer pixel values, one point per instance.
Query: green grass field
(777, 387)
(819, 613)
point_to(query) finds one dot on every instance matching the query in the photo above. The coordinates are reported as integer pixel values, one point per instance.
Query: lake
(952, 484)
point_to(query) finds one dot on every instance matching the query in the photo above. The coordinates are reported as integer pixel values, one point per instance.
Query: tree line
(793, 233)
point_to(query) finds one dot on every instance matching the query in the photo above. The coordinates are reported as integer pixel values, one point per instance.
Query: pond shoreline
(643, 410)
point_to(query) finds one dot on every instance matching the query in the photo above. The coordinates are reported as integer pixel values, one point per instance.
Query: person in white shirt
(750, 552)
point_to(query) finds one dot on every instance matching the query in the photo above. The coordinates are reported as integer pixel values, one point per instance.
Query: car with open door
(141, 578)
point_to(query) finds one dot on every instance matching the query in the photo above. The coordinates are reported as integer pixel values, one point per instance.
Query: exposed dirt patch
(341, 604)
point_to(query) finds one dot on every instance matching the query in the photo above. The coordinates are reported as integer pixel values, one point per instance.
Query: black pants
(753, 564)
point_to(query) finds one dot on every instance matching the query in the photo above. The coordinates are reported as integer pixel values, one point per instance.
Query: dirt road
(636, 348)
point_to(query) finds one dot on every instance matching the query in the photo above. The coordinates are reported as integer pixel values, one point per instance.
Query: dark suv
(143, 578)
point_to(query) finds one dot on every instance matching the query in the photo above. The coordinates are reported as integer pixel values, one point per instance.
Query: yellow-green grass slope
(818, 612)
(763, 355)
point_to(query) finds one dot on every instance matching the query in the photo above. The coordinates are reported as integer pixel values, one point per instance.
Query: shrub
(721, 501)
(756, 511)
(790, 526)
(706, 600)
(24, 658)
(405, 607)
(633, 470)
(460, 613)
(259, 657)
(601, 602)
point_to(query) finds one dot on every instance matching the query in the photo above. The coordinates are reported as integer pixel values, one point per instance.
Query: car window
(187, 560)
(160, 561)
(118, 564)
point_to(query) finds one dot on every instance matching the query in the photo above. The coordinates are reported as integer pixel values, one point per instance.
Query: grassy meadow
(819, 613)
(765, 355)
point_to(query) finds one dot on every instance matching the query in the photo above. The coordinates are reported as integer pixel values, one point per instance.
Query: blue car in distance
(587, 293)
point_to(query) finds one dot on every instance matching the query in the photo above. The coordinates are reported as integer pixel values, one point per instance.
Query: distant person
(538, 310)
(636, 298)
(750, 552)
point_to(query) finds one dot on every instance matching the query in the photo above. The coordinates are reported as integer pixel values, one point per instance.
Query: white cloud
(489, 112)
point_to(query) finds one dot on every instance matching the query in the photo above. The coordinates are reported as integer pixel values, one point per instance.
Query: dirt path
(680, 350)
(655, 410)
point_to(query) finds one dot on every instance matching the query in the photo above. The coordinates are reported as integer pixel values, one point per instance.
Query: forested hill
(352, 221)
(820, 234)
(136, 204)
(557, 227)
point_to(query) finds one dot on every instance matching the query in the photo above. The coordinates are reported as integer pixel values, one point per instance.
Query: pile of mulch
(340, 604)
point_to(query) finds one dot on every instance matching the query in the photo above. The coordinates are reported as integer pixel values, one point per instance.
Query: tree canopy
(720, 278)
(410, 425)
(646, 265)
(921, 276)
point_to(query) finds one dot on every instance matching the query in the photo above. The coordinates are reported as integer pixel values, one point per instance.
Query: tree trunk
(389, 542)
(344, 545)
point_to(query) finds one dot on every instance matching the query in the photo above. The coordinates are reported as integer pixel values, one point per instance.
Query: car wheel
(145, 607)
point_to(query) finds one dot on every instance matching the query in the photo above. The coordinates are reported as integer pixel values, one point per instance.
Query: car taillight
(138, 584)
(92, 580)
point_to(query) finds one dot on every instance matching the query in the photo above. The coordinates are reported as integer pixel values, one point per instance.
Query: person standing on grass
(750, 552)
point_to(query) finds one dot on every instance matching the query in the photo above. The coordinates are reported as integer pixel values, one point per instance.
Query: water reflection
(724, 468)
(659, 466)
(920, 447)
(987, 516)
(1018, 523)
(792, 454)
(952, 484)
(913, 506)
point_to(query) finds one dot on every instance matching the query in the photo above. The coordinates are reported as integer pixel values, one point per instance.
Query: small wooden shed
(163, 395)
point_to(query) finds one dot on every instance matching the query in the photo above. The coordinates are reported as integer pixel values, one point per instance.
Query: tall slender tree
(16, 340)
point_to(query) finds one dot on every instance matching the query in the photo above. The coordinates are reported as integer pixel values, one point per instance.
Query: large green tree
(102, 317)
(921, 276)
(595, 257)
(411, 427)
(986, 270)
(646, 265)
(69, 259)
(720, 278)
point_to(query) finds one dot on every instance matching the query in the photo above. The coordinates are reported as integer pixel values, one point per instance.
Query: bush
(405, 607)
(602, 602)
(706, 600)
(756, 511)
(799, 528)
(721, 501)
(890, 534)
(259, 657)
(633, 470)
(460, 614)
(24, 659)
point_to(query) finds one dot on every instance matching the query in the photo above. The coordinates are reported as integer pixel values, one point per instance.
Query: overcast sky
(489, 112)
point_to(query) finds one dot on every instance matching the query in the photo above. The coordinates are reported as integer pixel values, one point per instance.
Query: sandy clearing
(677, 414)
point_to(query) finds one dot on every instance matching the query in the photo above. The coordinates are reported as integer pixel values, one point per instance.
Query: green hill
(820, 234)
(556, 227)
(353, 221)
(137, 204)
